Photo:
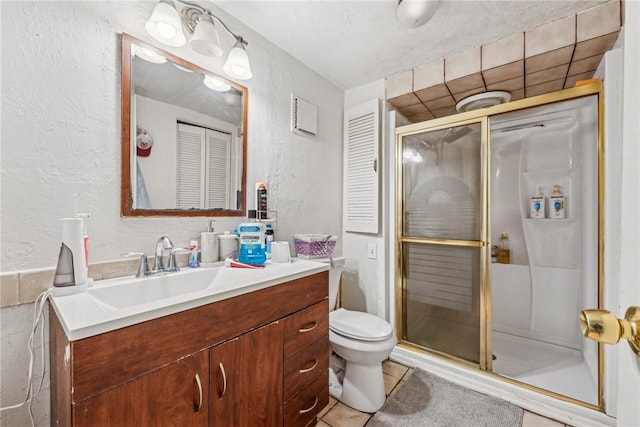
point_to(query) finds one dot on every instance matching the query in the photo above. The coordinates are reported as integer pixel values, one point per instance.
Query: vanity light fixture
(166, 26)
(416, 13)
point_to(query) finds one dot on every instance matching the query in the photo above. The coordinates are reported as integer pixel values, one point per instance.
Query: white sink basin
(130, 292)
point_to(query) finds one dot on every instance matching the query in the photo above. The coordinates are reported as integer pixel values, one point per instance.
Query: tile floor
(337, 414)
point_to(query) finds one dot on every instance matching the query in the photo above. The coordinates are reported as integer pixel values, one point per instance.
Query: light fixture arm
(205, 11)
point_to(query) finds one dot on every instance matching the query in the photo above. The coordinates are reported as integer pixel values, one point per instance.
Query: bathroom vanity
(258, 358)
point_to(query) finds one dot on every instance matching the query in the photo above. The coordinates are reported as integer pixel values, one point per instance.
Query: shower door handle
(603, 326)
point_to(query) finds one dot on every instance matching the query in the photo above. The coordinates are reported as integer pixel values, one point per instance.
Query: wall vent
(304, 116)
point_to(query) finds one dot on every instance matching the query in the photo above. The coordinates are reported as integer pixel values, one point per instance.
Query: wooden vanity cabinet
(177, 392)
(221, 364)
(246, 379)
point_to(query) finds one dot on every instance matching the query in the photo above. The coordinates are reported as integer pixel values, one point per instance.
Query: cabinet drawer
(304, 366)
(307, 404)
(304, 327)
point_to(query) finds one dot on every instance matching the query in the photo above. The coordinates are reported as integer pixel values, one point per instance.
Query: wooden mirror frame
(125, 189)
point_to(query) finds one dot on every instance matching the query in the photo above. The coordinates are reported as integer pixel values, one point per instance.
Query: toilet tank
(335, 273)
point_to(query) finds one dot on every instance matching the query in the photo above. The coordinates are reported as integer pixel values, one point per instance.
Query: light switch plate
(371, 251)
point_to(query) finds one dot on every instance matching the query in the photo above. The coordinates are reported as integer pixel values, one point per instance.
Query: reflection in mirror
(183, 137)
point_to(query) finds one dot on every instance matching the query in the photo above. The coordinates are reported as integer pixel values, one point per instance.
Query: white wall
(61, 135)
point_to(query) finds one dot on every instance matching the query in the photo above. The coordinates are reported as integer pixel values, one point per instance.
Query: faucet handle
(173, 264)
(143, 269)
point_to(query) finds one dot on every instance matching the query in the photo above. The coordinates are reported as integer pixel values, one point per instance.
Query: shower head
(454, 134)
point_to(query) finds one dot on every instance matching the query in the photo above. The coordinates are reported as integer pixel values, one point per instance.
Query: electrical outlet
(371, 250)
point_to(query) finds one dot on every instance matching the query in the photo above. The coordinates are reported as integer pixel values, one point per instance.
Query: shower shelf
(546, 172)
(551, 220)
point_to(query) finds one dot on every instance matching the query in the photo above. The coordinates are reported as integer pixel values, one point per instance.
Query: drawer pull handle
(304, 411)
(197, 407)
(311, 327)
(315, 363)
(224, 380)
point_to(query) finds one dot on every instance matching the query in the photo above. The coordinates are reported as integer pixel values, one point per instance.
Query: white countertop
(82, 315)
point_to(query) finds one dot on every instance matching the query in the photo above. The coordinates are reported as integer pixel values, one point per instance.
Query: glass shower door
(442, 239)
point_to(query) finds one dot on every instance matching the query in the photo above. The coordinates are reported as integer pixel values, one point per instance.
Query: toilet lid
(359, 325)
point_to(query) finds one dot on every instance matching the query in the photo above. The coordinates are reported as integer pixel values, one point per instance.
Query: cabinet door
(175, 395)
(246, 379)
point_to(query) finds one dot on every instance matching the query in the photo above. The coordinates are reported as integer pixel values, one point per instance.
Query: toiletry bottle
(504, 250)
(252, 241)
(268, 238)
(556, 203)
(193, 254)
(494, 253)
(537, 206)
(261, 202)
(209, 246)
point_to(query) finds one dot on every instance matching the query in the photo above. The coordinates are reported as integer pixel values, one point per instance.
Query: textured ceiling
(353, 42)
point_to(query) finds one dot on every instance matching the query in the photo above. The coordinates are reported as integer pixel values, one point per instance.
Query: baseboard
(565, 412)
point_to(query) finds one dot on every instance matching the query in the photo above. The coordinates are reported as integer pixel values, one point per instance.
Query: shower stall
(464, 180)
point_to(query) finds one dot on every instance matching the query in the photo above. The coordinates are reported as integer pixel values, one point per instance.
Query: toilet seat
(358, 325)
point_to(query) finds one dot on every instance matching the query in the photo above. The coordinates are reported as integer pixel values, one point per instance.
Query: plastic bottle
(252, 242)
(536, 206)
(261, 202)
(193, 254)
(504, 250)
(268, 238)
(556, 203)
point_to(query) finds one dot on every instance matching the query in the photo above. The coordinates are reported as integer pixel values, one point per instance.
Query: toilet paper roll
(209, 247)
(280, 252)
(228, 246)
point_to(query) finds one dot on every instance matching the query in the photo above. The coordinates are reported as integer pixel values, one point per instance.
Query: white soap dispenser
(556, 203)
(537, 206)
(209, 246)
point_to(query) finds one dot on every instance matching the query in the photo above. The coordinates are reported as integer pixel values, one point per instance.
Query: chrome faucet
(164, 244)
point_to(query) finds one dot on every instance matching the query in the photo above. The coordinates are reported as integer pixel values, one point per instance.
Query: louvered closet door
(361, 142)
(218, 169)
(190, 167)
(441, 236)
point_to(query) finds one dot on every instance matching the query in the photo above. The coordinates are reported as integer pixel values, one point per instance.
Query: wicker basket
(314, 245)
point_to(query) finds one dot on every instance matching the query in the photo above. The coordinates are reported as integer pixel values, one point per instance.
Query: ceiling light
(237, 64)
(166, 26)
(216, 84)
(483, 100)
(416, 13)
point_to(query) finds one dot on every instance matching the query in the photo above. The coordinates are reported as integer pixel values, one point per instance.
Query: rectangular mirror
(183, 137)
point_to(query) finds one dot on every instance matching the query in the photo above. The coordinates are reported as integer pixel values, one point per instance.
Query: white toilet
(364, 341)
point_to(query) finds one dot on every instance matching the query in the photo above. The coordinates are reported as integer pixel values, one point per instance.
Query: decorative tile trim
(23, 287)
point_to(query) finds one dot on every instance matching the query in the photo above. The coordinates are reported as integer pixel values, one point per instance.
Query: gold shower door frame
(482, 116)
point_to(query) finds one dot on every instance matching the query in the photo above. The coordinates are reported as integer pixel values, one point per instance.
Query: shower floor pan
(551, 367)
